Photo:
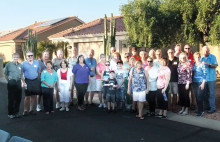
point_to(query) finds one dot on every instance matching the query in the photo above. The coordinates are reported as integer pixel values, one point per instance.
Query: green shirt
(13, 71)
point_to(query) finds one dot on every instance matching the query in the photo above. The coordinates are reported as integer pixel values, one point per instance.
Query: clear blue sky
(21, 13)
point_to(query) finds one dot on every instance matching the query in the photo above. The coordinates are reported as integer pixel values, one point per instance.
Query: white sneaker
(57, 105)
(180, 112)
(38, 108)
(185, 113)
(104, 105)
(67, 109)
(62, 109)
(100, 106)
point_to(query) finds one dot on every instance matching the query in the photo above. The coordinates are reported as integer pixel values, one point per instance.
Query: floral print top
(161, 80)
(184, 73)
(138, 80)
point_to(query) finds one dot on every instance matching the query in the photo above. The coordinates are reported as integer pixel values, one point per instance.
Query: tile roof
(93, 27)
(22, 34)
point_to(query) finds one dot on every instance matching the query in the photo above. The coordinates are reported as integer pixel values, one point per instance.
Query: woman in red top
(65, 79)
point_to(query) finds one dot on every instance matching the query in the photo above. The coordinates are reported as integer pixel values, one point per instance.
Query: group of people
(178, 79)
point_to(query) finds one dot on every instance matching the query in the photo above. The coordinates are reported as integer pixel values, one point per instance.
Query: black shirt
(173, 68)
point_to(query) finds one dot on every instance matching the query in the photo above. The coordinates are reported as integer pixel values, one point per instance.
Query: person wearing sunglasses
(188, 51)
(99, 69)
(31, 69)
(152, 71)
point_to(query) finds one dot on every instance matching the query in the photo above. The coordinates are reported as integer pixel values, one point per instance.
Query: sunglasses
(186, 48)
(30, 55)
(149, 61)
(107, 64)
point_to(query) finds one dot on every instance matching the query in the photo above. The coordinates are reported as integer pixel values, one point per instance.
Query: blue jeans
(120, 97)
(199, 96)
(210, 87)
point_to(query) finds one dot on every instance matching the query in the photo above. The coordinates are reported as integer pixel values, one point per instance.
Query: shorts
(92, 84)
(33, 87)
(173, 88)
(98, 85)
(139, 96)
(110, 97)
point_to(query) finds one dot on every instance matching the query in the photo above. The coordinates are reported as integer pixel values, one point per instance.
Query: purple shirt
(81, 73)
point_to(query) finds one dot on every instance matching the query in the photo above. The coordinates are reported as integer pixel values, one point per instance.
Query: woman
(143, 55)
(65, 79)
(114, 60)
(99, 69)
(162, 86)
(48, 79)
(184, 80)
(132, 63)
(199, 79)
(152, 54)
(81, 80)
(158, 54)
(152, 77)
(138, 78)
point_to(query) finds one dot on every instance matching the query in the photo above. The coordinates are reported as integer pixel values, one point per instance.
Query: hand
(50, 86)
(202, 86)
(187, 87)
(128, 92)
(118, 87)
(147, 91)
(24, 84)
(163, 91)
(205, 63)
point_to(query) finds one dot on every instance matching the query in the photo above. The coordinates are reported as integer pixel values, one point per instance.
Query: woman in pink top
(162, 86)
(99, 69)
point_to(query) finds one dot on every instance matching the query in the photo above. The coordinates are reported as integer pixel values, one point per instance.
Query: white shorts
(92, 84)
(139, 96)
(98, 85)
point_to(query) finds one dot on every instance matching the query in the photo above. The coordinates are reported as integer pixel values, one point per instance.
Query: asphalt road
(95, 125)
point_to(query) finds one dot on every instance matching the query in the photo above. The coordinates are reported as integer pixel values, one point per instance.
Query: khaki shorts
(173, 88)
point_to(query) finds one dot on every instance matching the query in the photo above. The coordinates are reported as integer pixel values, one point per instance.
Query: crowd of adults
(179, 78)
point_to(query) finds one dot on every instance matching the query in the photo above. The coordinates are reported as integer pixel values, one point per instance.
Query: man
(178, 50)
(56, 66)
(173, 85)
(113, 50)
(91, 62)
(135, 54)
(31, 70)
(188, 51)
(13, 75)
(72, 61)
(42, 63)
(210, 63)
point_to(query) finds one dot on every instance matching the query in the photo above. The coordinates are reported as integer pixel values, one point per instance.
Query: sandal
(141, 118)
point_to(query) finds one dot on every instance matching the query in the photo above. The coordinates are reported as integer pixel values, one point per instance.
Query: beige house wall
(6, 50)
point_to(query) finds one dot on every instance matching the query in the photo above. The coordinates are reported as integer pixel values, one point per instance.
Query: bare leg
(32, 98)
(87, 97)
(91, 96)
(100, 97)
(140, 108)
(38, 99)
(26, 102)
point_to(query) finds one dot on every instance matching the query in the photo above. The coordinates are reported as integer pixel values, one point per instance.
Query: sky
(21, 13)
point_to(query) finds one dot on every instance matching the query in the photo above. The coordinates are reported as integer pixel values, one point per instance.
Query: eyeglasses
(170, 52)
(30, 56)
(107, 64)
(186, 48)
(149, 61)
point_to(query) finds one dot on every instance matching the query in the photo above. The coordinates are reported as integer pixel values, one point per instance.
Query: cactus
(30, 44)
(109, 41)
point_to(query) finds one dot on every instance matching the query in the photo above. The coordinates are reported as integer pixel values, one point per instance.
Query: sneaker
(104, 105)
(25, 113)
(181, 111)
(67, 109)
(38, 108)
(32, 112)
(211, 111)
(58, 106)
(164, 117)
(200, 114)
(17, 115)
(158, 116)
(185, 113)
(11, 116)
(62, 109)
(100, 105)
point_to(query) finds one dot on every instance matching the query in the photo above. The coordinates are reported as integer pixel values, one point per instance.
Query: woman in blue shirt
(81, 80)
(199, 79)
(48, 79)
